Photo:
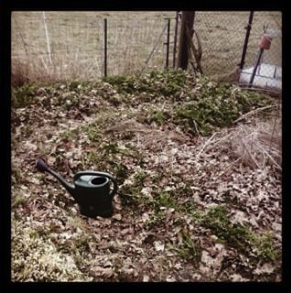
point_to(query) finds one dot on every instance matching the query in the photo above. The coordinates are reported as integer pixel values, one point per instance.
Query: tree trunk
(186, 21)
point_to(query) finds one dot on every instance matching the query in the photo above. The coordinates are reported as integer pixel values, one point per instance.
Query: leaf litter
(195, 202)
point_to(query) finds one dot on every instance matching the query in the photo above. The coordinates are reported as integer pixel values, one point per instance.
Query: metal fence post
(256, 66)
(168, 42)
(105, 47)
(248, 28)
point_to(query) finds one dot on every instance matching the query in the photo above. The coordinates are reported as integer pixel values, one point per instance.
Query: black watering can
(91, 190)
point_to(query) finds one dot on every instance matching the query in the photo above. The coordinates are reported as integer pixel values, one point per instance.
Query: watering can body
(92, 193)
(91, 190)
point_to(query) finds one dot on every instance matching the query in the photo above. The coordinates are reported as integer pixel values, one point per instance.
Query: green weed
(18, 200)
(160, 117)
(265, 246)
(189, 250)
(70, 135)
(238, 236)
(23, 96)
(156, 219)
(154, 84)
(216, 107)
(164, 199)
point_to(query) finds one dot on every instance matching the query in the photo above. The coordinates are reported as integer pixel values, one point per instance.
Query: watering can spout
(43, 167)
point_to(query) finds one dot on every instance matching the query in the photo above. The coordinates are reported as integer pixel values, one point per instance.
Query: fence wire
(56, 45)
(222, 36)
(268, 74)
(66, 45)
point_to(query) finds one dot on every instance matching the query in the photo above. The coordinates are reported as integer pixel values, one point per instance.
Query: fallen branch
(252, 112)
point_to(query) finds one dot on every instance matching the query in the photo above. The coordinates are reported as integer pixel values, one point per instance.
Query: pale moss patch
(37, 259)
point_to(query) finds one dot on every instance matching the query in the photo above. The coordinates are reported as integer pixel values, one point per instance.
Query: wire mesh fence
(70, 45)
(266, 20)
(263, 64)
(222, 36)
(50, 45)
(131, 42)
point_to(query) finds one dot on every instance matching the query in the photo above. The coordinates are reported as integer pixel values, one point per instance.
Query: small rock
(238, 278)
(171, 279)
(117, 217)
(40, 92)
(147, 192)
(277, 227)
(159, 246)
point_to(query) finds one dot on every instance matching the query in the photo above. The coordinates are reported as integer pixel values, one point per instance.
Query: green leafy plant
(265, 247)
(216, 107)
(70, 135)
(131, 194)
(155, 84)
(164, 199)
(156, 218)
(239, 236)
(189, 250)
(160, 117)
(23, 96)
(18, 200)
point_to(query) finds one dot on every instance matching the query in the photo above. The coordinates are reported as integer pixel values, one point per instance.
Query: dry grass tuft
(260, 144)
(256, 144)
(19, 73)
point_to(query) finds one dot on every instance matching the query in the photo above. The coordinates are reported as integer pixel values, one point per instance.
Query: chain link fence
(222, 35)
(263, 67)
(71, 45)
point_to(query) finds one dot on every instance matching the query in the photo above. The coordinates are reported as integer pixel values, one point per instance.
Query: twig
(219, 140)
(268, 155)
(163, 106)
(252, 112)
(251, 156)
(229, 166)
(196, 127)
(202, 149)
(264, 90)
(271, 140)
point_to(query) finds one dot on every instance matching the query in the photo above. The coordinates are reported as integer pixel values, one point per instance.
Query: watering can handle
(102, 174)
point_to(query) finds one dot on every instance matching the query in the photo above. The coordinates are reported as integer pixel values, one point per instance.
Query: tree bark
(186, 21)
